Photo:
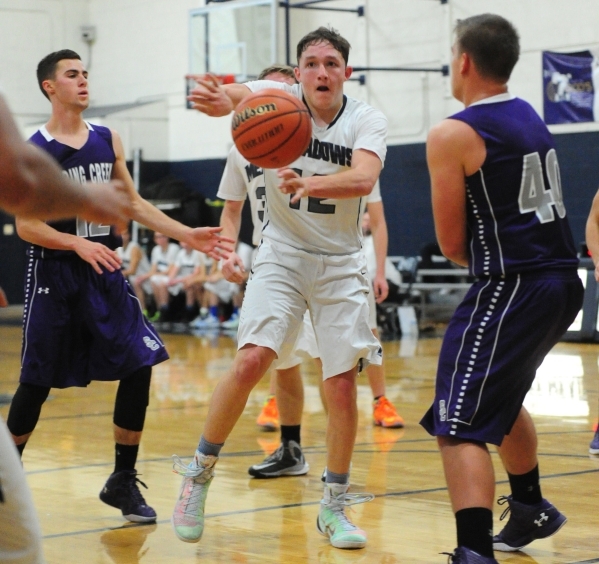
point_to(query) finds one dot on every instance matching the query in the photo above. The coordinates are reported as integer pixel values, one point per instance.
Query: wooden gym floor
(273, 521)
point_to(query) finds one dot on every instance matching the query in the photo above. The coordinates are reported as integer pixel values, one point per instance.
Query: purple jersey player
(498, 208)
(31, 184)
(82, 321)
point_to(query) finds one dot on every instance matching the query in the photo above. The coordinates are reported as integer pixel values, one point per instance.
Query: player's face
(161, 240)
(322, 73)
(280, 77)
(69, 85)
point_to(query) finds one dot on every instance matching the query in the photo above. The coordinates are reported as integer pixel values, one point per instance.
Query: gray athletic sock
(209, 449)
(333, 478)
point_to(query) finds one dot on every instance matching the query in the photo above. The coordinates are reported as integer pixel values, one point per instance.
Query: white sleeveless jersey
(124, 254)
(164, 259)
(326, 226)
(187, 261)
(242, 179)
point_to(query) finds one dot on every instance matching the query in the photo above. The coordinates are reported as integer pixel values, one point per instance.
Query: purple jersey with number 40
(515, 211)
(91, 163)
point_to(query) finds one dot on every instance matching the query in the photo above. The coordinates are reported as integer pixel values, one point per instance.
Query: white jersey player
(310, 258)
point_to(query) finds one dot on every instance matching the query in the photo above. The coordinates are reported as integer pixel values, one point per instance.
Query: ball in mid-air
(271, 128)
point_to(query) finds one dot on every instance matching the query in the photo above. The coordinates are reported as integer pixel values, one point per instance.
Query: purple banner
(570, 87)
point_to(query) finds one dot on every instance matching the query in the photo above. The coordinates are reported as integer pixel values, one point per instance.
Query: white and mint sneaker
(332, 521)
(188, 515)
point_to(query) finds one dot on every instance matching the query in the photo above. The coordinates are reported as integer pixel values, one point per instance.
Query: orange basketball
(271, 128)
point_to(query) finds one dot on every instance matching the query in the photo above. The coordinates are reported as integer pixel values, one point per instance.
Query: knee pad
(132, 398)
(25, 408)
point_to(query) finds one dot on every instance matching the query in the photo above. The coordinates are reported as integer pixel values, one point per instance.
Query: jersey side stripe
(459, 354)
(514, 292)
(484, 186)
(30, 309)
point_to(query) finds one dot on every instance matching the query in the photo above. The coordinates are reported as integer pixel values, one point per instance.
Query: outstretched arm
(213, 98)
(205, 239)
(33, 185)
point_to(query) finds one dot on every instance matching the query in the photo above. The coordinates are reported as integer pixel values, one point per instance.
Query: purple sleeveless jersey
(92, 163)
(79, 325)
(515, 211)
(527, 293)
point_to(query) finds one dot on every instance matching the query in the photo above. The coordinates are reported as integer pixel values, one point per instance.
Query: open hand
(209, 241)
(209, 97)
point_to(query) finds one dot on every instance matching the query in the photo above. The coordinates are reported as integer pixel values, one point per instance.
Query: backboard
(233, 38)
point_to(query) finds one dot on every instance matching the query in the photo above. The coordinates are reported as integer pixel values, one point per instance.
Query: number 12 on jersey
(85, 229)
(315, 205)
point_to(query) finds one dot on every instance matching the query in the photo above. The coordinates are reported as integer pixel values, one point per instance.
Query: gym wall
(140, 56)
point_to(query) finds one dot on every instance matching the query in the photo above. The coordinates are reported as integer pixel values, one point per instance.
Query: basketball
(271, 128)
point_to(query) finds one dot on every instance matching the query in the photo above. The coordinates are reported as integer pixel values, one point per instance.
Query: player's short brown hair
(46, 69)
(321, 35)
(281, 69)
(492, 42)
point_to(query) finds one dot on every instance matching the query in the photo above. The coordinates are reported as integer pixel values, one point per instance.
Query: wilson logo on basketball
(249, 113)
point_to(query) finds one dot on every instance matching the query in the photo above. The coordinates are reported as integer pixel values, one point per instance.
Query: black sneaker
(287, 460)
(526, 524)
(121, 491)
(463, 555)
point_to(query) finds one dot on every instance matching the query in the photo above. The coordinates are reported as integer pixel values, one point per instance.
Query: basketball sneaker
(287, 460)
(121, 491)
(594, 446)
(195, 323)
(268, 419)
(385, 414)
(526, 524)
(209, 322)
(188, 515)
(332, 521)
(231, 323)
(463, 555)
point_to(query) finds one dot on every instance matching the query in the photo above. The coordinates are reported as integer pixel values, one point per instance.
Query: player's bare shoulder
(457, 140)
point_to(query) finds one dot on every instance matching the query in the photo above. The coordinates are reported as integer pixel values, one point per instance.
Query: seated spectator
(135, 262)
(186, 274)
(218, 290)
(162, 257)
